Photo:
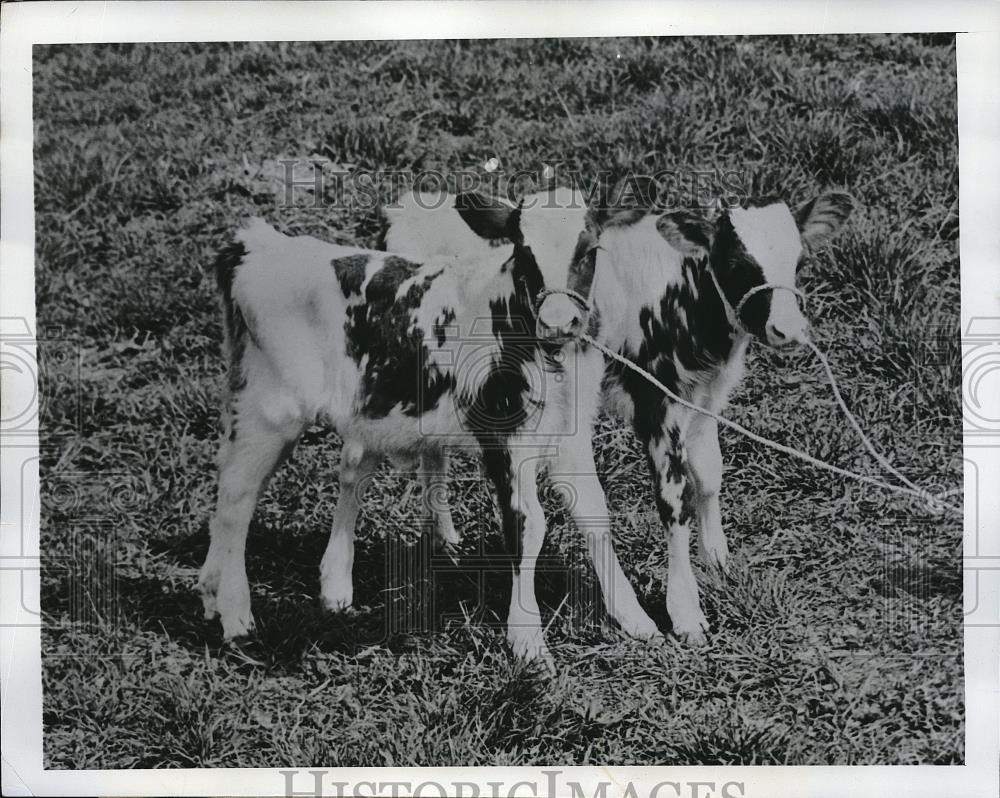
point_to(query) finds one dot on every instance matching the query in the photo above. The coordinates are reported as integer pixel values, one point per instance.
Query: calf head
(554, 248)
(754, 252)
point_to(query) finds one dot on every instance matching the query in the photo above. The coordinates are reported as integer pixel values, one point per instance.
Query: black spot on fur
(738, 272)
(386, 281)
(226, 261)
(499, 406)
(671, 469)
(397, 371)
(583, 265)
(668, 512)
(497, 463)
(441, 324)
(675, 456)
(350, 272)
(528, 281)
(696, 231)
(759, 202)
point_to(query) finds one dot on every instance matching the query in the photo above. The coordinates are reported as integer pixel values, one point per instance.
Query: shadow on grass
(920, 581)
(401, 589)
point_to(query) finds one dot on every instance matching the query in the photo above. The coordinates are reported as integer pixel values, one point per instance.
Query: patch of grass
(837, 635)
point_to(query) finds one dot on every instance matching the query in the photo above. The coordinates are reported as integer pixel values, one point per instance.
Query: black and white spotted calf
(405, 358)
(657, 285)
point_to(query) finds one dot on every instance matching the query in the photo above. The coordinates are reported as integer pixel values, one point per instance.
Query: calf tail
(234, 323)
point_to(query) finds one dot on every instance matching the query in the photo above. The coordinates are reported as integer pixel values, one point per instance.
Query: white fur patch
(427, 225)
(772, 238)
(634, 267)
(551, 223)
(671, 492)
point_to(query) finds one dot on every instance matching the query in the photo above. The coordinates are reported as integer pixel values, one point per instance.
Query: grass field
(837, 635)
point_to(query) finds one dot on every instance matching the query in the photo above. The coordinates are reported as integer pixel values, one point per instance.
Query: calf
(680, 296)
(405, 358)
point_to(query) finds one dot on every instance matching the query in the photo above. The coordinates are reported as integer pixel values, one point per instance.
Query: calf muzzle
(560, 315)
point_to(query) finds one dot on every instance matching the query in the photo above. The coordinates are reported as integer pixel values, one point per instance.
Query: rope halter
(734, 315)
(544, 331)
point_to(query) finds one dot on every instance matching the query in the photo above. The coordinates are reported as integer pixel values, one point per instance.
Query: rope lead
(934, 503)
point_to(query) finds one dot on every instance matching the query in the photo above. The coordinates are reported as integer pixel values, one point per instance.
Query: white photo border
(978, 55)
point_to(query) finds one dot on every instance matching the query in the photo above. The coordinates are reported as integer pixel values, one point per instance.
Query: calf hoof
(210, 604)
(448, 537)
(240, 625)
(337, 599)
(641, 628)
(687, 620)
(211, 610)
(208, 587)
(696, 639)
(531, 650)
(715, 560)
(692, 635)
(713, 550)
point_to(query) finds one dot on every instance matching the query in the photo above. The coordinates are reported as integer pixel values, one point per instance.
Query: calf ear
(634, 191)
(822, 216)
(625, 202)
(687, 232)
(487, 217)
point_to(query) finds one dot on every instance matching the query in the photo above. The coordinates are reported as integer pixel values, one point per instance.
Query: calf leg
(524, 532)
(668, 458)
(247, 458)
(575, 473)
(705, 466)
(434, 479)
(336, 568)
